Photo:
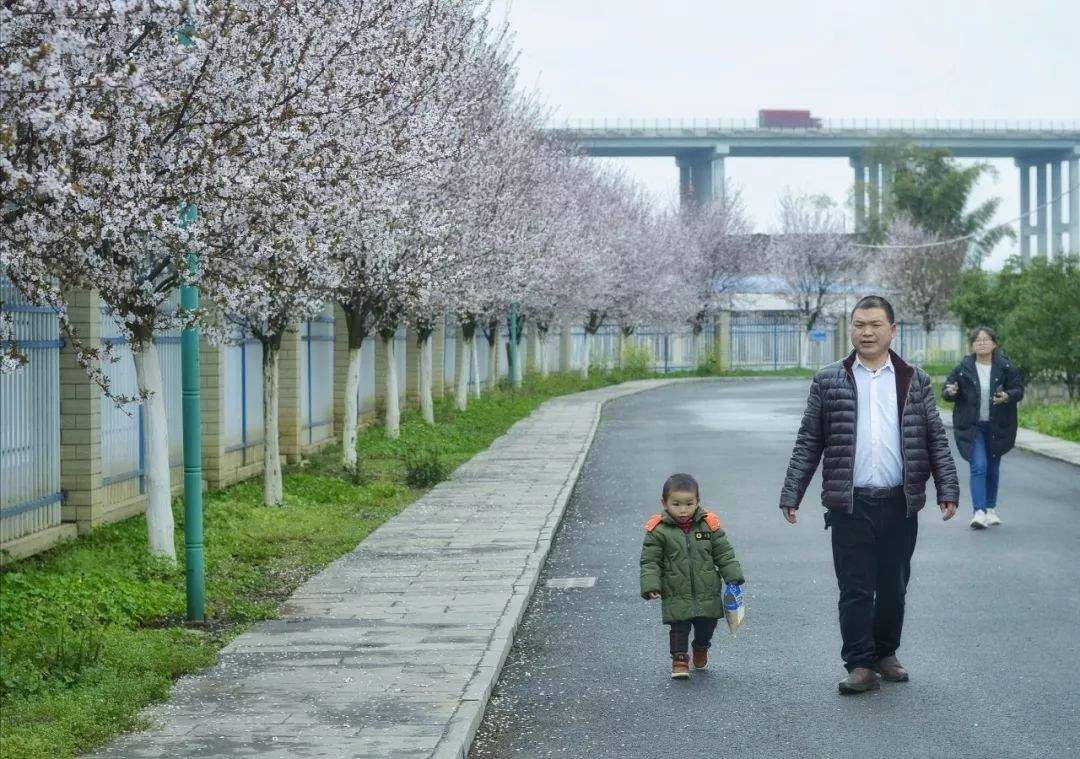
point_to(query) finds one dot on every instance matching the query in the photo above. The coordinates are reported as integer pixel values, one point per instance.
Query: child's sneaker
(992, 519)
(680, 667)
(701, 658)
(978, 521)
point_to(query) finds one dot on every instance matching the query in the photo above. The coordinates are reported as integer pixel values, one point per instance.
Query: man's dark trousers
(872, 550)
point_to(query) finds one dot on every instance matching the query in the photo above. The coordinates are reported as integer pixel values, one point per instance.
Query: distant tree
(985, 298)
(921, 270)
(1042, 331)
(930, 188)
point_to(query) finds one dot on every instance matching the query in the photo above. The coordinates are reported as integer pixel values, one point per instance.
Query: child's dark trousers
(704, 627)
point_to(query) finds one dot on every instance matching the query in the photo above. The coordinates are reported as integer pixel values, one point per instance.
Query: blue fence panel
(317, 377)
(30, 496)
(243, 394)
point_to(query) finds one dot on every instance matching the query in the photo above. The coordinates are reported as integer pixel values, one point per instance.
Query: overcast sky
(947, 59)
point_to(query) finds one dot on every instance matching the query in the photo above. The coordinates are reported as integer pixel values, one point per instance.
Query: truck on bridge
(771, 117)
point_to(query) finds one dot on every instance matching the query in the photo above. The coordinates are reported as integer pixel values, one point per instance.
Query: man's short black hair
(875, 301)
(682, 482)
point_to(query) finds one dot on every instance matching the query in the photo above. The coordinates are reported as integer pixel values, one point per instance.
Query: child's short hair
(679, 482)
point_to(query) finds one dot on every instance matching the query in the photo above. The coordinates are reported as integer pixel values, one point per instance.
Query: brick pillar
(843, 342)
(341, 366)
(566, 348)
(412, 367)
(290, 426)
(532, 356)
(722, 340)
(438, 351)
(212, 411)
(80, 419)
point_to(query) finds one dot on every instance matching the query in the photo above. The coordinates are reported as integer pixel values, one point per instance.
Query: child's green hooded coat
(686, 568)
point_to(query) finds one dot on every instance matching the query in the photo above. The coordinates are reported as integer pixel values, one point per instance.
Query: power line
(973, 235)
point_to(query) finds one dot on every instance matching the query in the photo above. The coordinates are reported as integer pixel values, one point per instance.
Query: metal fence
(243, 394)
(317, 377)
(775, 340)
(30, 496)
(675, 351)
(945, 344)
(123, 434)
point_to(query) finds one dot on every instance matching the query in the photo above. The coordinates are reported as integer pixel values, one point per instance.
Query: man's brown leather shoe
(860, 680)
(701, 658)
(680, 666)
(891, 670)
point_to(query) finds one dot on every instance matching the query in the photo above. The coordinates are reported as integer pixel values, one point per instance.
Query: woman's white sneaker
(978, 522)
(992, 519)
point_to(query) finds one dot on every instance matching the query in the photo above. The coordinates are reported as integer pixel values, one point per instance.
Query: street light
(194, 569)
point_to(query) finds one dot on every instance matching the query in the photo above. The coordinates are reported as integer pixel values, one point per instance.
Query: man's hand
(1000, 397)
(952, 388)
(948, 510)
(790, 514)
(653, 595)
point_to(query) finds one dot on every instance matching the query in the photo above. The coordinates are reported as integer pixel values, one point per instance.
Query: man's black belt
(879, 492)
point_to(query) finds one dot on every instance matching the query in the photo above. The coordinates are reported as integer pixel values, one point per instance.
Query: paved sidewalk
(1036, 442)
(392, 650)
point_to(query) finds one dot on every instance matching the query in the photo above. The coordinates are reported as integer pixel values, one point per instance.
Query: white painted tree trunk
(493, 362)
(427, 405)
(541, 354)
(461, 396)
(537, 356)
(475, 358)
(351, 419)
(393, 402)
(804, 355)
(585, 356)
(273, 491)
(517, 374)
(622, 349)
(159, 516)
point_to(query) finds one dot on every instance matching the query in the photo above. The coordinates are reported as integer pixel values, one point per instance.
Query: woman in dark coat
(985, 388)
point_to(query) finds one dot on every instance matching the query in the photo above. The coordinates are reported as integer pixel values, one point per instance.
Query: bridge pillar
(1040, 209)
(686, 186)
(701, 175)
(859, 193)
(1074, 202)
(1057, 202)
(874, 196)
(1025, 207)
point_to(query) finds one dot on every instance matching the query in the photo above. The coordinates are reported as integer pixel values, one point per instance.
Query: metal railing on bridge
(884, 126)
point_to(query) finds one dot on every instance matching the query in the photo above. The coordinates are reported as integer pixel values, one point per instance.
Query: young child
(685, 560)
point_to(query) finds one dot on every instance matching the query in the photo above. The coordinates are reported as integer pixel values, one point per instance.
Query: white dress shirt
(878, 460)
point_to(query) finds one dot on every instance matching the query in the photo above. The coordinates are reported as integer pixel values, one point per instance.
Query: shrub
(424, 468)
(636, 360)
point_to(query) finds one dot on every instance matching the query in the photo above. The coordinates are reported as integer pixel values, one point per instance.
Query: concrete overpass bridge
(1049, 150)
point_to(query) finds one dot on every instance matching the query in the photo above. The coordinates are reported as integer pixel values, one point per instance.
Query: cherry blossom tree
(720, 254)
(921, 270)
(814, 259)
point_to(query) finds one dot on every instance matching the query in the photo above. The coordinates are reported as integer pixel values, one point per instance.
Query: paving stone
(393, 649)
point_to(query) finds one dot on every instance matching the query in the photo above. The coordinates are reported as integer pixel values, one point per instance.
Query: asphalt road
(992, 638)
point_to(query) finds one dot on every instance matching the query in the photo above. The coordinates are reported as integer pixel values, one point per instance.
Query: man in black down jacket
(874, 419)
